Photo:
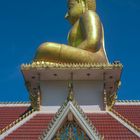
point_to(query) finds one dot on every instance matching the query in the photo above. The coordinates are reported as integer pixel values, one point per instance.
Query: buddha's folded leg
(63, 53)
(48, 51)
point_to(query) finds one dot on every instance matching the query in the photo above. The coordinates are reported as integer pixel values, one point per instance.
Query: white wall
(87, 93)
(53, 93)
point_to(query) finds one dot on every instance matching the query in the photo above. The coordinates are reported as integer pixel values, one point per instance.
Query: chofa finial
(70, 87)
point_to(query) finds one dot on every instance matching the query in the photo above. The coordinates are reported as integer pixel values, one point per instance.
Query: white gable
(62, 114)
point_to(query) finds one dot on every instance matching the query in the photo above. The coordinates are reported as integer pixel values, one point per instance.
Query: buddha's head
(77, 7)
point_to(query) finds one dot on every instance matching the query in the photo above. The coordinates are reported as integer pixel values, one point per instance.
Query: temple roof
(129, 112)
(10, 113)
(107, 125)
(33, 128)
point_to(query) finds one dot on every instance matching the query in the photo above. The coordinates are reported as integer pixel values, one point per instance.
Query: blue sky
(25, 24)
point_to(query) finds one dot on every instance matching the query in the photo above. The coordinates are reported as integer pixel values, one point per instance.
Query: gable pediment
(71, 113)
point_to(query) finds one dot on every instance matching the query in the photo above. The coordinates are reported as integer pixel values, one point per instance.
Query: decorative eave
(38, 71)
(41, 71)
(74, 108)
(44, 64)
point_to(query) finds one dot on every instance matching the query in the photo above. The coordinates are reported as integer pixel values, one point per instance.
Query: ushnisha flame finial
(90, 4)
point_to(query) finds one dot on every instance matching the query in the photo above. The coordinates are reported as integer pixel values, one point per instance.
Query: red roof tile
(130, 112)
(111, 128)
(107, 126)
(10, 114)
(32, 129)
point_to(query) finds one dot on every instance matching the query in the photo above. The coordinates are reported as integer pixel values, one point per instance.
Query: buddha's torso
(75, 36)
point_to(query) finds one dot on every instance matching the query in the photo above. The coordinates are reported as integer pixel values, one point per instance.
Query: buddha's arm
(92, 31)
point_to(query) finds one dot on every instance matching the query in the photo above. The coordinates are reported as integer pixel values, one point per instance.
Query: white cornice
(86, 109)
(127, 102)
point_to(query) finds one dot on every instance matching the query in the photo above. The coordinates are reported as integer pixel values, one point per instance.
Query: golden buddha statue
(85, 39)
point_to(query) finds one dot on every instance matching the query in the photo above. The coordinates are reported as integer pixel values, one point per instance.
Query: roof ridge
(128, 101)
(84, 115)
(79, 109)
(16, 102)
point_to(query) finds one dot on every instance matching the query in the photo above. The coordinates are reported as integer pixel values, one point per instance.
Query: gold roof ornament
(70, 87)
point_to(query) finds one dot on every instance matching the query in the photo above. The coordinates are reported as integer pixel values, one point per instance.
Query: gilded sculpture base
(36, 72)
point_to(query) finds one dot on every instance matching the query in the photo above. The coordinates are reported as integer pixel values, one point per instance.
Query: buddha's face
(75, 10)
